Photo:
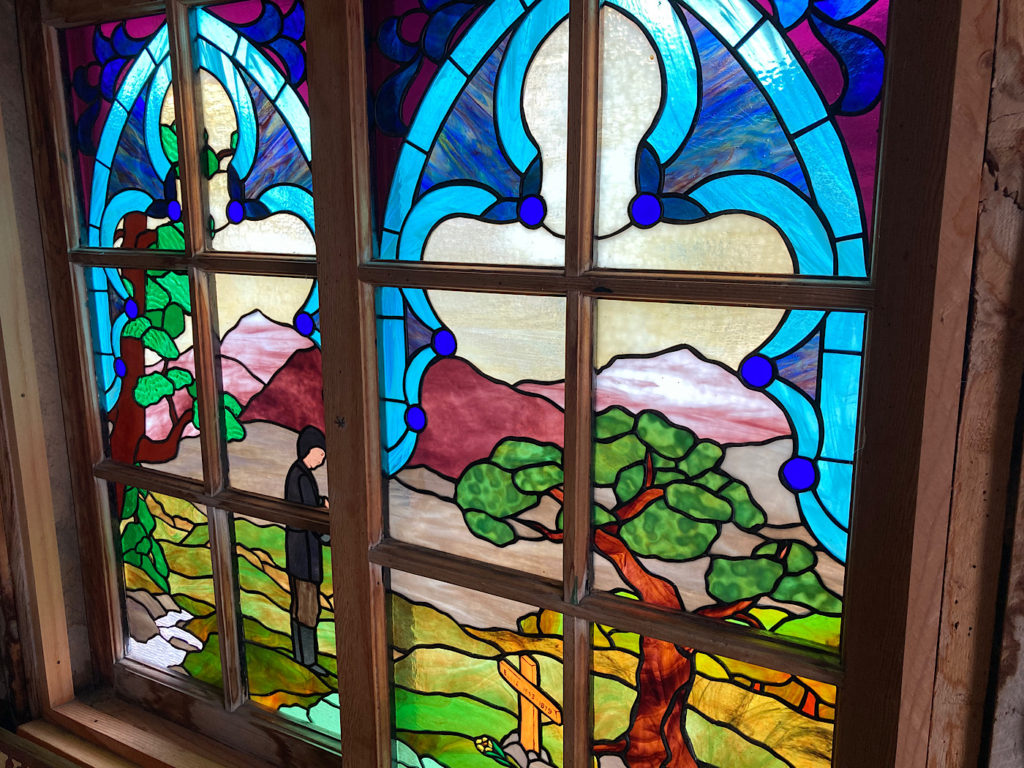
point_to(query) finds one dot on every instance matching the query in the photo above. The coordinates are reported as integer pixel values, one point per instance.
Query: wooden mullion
(129, 257)
(684, 629)
(255, 264)
(70, 13)
(229, 615)
(916, 124)
(581, 193)
(186, 117)
(341, 180)
(235, 501)
(718, 289)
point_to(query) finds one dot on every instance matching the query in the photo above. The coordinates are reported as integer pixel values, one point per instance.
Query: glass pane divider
(581, 193)
(225, 587)
(229, 499)
(184, 78)
(708, 635)
(754, 290)
(272, 265)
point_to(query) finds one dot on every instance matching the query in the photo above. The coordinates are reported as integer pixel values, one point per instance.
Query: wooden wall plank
(990, 406)
(945, 369)
(33, 502)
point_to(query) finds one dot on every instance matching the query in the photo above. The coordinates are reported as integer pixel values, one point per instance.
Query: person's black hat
(310, 438)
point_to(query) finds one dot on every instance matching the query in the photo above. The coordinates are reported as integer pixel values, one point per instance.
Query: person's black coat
(303, 557)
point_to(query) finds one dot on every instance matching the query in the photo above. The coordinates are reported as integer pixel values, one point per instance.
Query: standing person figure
(304, 560)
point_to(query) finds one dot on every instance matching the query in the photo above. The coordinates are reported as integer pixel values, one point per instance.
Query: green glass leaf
(662, 436)
(180, 377)
(130, 503)
(610, 458)
(629, 483)
(177, 288)
(156, 296)
(599, 515)
(160, 560)
(807, 589)
(701, 458)
(741, 579)
(210, 163)
(169, 141)
(488, 488)
(232, 405)
(486, 527)
(145, 518)
(661, 532)
(144, 546)
(538, 479)
(666, 476)
(135, 328)
(613, 422)
(512, 453)
(132, 534)
(713, 481)
(800, 558)
(174, 320)
(158, 340)
(233, 141)
(697, 502)
(746, 512)
(133, 558)
(153, 388)
(169, 238)
(160, 579)
(233, 429)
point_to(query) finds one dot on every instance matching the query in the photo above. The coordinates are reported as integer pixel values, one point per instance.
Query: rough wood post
(529, 715)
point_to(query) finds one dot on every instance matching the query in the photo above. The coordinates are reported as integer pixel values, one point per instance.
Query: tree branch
(653, 589)
(631, 509)
(159, 451)
(543, 530)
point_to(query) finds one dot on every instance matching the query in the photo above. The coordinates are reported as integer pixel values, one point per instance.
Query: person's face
(315, 457)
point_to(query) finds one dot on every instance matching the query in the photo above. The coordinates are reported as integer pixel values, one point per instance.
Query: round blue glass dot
(120, 368)
(799, 473)
(235, 212)
(757, 371)
(444, 342)
(174, 210)
(645, 210)
(131, 309)
(415, 418)
(304, 324)
(532, 211)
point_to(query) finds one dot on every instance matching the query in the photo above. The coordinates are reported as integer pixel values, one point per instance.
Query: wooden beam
(710, 635)
(745, 290)
(995, 367)
(341, 177)
(945, 370)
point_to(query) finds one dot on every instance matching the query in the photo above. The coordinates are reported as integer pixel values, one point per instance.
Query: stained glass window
(271, 374)
(646, 459)
(732, 137)
(209, 383)
(170, 608)
(256, 154)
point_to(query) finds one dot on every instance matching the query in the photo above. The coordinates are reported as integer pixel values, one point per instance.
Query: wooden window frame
(901, 430)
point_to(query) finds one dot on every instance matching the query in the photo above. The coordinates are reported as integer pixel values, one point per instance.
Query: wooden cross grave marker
(532, 701)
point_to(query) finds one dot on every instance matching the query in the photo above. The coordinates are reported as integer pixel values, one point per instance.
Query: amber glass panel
(287, 602)
(164, 545)
(656, 703)
(467, 444)
(476, 679)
